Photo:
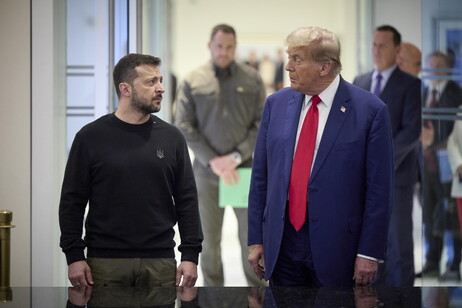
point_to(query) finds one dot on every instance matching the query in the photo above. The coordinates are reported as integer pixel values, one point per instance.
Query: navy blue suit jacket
(350, 188)
(402, 94)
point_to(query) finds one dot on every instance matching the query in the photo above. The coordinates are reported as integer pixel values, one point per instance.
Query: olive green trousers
(133, 272)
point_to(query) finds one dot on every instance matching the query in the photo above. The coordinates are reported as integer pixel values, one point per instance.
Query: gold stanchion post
(5, 225)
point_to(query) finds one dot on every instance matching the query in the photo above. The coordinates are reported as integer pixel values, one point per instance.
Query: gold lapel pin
(343, 109)
(240, 89)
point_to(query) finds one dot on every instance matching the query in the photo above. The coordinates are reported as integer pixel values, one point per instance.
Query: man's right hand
(79, 274)
(257, 260)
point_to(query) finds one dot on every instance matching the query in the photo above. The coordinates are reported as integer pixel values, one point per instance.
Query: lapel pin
(343, 109)
(240, 89)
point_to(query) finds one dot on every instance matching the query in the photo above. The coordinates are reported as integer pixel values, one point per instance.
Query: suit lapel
(449, 97)
(294, 107)
(424, 97)
(366, 82)
(341, 107)
(392, 84)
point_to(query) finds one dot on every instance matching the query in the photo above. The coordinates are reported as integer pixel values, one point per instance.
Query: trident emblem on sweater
(160, 153)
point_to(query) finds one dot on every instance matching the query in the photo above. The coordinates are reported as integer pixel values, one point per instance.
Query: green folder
(235, 195)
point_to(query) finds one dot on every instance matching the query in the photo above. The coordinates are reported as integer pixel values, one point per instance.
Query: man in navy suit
(348, 197)
(401, 92)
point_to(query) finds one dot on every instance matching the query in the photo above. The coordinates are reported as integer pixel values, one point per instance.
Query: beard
(144, 106)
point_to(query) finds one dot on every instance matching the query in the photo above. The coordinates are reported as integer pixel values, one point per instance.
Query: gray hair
(443, 60)
(324, 45)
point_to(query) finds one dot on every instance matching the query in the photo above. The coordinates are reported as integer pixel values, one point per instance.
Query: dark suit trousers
(294, 266)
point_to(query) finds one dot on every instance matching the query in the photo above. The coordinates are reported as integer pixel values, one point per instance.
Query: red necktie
(301, 166)
(434, 100)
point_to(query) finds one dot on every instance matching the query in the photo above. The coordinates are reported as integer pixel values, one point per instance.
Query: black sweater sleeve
(75, 193)
(186, 204)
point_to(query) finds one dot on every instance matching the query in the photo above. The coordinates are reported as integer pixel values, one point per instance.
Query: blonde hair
(324, 45)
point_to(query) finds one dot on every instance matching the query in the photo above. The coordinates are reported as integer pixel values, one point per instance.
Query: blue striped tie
(377, 85)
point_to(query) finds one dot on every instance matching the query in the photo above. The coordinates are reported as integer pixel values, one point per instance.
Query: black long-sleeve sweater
(138, 183)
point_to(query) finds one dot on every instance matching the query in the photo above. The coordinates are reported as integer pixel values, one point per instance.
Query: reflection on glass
(131, 297)
(441, 97)
(87, 57)
(6, 294)
(441, 37)
(258, 297)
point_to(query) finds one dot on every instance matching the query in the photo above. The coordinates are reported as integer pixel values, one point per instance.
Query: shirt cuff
(370, 258)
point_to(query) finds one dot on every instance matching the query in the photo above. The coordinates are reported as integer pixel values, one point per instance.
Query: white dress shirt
(327, 98)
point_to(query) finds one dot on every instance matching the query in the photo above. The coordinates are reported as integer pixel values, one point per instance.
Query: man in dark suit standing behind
(322, 178)
(401, 92)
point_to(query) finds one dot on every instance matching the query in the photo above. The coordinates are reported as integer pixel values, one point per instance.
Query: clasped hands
(225, 168)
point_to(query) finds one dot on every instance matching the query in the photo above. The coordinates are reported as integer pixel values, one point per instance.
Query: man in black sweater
(134, 171)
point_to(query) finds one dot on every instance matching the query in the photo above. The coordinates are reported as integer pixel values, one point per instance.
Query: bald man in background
(409, 59)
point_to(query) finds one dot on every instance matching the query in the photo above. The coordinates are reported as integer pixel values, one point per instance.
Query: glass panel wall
(156, 32)
(97, 35)
(441, 141)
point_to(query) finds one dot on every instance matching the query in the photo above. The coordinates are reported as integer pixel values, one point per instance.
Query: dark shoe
(429, 270)
(450, 276)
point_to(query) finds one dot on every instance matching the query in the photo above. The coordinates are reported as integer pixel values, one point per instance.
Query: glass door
(75, 44)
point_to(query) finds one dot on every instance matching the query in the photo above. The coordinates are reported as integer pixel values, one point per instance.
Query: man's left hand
(188, 271)
(365, 271)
